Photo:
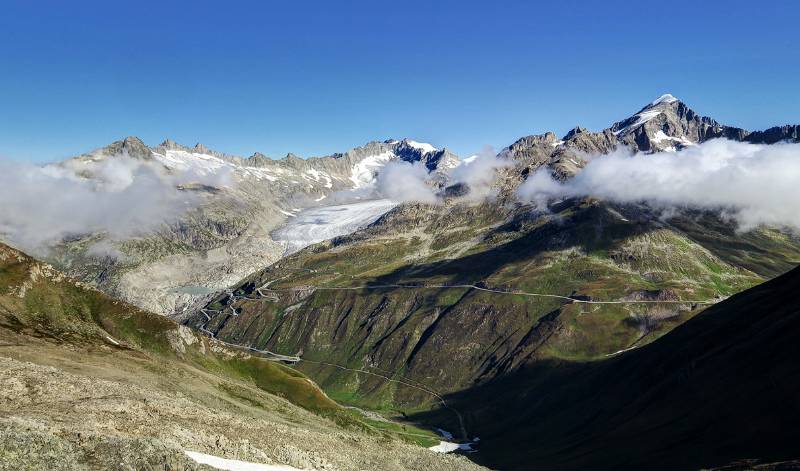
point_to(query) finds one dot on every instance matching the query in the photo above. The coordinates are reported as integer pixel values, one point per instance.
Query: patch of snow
(448, 164)
(665, 98)
(317, 176)
(363, 173)
(235, 465)
(557, 143)
(423, 146)
(287, 213)
(317, 224)
(468, 160)
(205, 164)
(641, 118)
(321, 198)
(661, 136)
(446, 446)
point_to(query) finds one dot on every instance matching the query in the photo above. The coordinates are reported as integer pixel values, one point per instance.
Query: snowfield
(317, 224)
(446, 446)
(235, 465)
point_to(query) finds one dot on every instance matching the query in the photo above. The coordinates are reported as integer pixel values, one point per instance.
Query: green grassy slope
(451, 339)
(36, 301)
(89, 380)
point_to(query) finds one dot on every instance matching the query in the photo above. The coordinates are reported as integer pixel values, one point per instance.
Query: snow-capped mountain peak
(665, 98)
(423, 146)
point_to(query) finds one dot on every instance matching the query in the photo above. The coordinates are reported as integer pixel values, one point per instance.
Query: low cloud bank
(119, 196)
(755, 184)
(404, 181)
(479, 172)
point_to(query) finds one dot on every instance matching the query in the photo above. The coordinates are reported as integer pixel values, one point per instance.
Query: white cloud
(479, 172)
(756, 184)
(119, 196)
(403, 181)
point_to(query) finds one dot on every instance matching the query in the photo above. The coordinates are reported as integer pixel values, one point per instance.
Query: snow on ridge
(235, 465)
(363, 173)
(665, 98)
(423, 146)
(318, 176)
(469, 159)
(205, 164)
(641, 118)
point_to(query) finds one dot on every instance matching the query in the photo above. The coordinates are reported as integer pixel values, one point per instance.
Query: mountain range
(561, 332)
(226, 235)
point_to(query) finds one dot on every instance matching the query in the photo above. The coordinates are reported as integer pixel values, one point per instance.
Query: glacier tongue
(317, 224)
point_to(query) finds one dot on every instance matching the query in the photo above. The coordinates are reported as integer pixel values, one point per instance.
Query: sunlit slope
(94, 383)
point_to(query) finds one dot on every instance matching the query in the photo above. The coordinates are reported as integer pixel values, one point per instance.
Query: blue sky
(319, 77)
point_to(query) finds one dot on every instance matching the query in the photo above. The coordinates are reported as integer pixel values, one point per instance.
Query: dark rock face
(715, 390)
(775, 134)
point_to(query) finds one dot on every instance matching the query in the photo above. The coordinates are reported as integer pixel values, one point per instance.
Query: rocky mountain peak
(132, 141)
(574, 132)
(131, 146)
(170, 144)
(665, 98)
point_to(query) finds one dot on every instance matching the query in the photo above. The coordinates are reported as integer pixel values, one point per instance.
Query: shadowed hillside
(720, 388)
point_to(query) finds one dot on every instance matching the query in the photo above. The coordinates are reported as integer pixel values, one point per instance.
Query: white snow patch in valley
(317, 224)
(557, 143)
(446, 446)
(287, 213)
(363, 173)
(235, 465)
(423, 146)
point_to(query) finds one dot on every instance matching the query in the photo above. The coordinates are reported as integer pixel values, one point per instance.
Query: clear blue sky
(318, 77)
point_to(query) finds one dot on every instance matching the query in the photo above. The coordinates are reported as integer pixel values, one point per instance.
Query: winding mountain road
(293, 359)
